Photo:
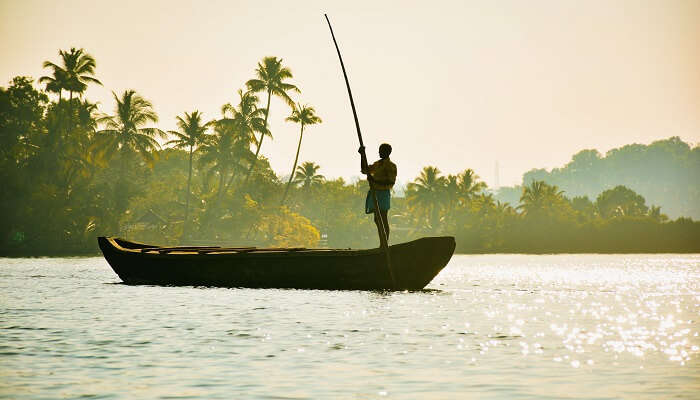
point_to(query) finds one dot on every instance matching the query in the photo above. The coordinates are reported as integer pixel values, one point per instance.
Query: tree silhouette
(303, 115)
(224, 154)
(620, 201)
(270, 78)
(22, 109)
(77, 71)
(57, 82)
(125, 135)
(124, 131)
(245, 121)
(539, 199)
(306, 175)
(425, 195)
(191, 134)
(79, 68)
(66, 180)
(459, 191)
(664, 172)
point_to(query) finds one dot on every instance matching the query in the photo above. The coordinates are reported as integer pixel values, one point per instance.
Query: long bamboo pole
(377, 215)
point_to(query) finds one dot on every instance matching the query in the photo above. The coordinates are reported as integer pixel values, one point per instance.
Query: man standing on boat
(381, 176)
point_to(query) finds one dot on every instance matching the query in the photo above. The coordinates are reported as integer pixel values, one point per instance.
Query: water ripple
(500, 326)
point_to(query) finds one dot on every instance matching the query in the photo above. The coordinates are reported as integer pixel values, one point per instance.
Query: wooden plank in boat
(207, 250)
(175, 248)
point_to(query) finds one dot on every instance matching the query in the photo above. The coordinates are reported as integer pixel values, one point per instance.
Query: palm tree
(192, 133)
(539, 198)
(123, 131)
(124, 134)
(484, 202)
(224, 153)
(55, 83)
(246, 116)
(303, 115)
(246, 119)
(460, 190)
(425, 194)
(75, 151)
(469, 185)
(306, 175)
(78, 70)
(504, 209)
(75, 74)
(270, 78)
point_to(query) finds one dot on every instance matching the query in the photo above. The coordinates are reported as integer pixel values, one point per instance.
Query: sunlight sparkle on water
(494, 326)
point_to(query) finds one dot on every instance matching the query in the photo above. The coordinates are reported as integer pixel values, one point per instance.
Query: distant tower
(498, 183)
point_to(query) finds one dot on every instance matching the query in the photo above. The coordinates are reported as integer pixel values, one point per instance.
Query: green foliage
(246, 118)
(425, 196)
(665, 172)
(70, 175)
(77, 71)
(303, 115)
(270, 78)
(124, 132)
(620, 202)
(336, 208)
(546, 221)
(191, 135)
(284, 228)
(306, 175)
(22, 110)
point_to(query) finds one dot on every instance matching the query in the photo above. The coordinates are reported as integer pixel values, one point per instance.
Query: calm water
(490, 327)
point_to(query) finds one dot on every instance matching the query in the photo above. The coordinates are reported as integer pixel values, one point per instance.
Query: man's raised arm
(364, 168)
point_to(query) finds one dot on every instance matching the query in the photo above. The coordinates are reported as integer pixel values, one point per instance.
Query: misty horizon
(534, 83)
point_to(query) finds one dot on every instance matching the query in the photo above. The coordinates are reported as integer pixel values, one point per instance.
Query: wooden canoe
(414, 265)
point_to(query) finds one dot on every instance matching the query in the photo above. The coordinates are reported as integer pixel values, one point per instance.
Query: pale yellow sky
(455, 84)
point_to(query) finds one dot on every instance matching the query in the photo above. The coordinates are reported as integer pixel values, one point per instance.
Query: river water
(488, 327)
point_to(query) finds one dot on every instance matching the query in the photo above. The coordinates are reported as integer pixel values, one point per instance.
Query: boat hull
(414, 265)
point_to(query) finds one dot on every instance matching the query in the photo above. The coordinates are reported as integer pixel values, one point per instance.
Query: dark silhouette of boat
(414, 265)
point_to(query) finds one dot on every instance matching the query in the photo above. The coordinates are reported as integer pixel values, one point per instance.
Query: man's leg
(385, 219)
(380, 231)
(381, 219)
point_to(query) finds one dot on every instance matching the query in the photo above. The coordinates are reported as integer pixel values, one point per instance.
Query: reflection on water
(497, 326)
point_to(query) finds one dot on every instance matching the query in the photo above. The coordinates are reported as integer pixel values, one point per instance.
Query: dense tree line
(544, 220)
(71, 173)
(665, 172)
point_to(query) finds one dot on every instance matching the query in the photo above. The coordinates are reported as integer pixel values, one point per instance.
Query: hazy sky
(455, 84)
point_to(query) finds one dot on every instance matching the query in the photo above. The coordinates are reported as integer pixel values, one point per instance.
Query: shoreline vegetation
(71, 174)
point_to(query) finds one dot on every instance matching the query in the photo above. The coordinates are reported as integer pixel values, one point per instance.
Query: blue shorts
(383, 198)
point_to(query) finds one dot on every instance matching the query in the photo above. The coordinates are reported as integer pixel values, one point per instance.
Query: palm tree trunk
(222, 173)
(70, 111)
(434, 218)
(122, 171)
(230, 181)
(121, 198)
(296, 159)
(187, 198)
(60, 119)
(262, 136)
